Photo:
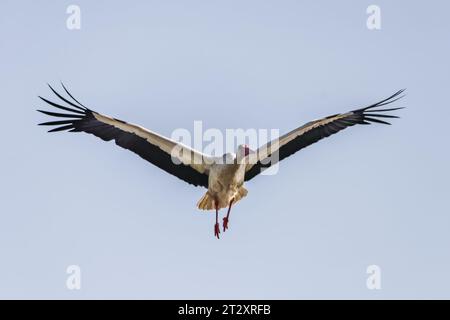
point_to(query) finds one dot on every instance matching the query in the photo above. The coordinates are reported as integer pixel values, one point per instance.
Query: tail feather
(207, 201)
(242, 192)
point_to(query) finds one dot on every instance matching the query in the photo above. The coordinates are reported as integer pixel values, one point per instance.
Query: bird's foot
(217, 230)
(225, 224)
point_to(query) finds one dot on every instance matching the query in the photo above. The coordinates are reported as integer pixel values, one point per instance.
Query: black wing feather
(365, 116)
(83, 120)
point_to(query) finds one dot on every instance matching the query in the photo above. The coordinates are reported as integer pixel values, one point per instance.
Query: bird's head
(243, 151)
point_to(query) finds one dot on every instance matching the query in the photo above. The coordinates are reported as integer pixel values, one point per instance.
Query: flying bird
(224, 176)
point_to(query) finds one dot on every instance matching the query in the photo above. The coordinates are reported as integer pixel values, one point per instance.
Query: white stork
(223, 179)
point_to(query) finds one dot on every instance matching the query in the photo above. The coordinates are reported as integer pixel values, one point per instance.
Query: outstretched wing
(174, 158)
(314, 131)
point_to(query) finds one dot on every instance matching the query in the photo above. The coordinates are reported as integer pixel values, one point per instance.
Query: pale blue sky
(368, 195)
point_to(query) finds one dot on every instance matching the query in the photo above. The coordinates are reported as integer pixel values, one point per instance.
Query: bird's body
(225, 183)
(224, 177)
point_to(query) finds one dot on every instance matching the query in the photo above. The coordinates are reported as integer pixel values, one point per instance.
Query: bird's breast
(225, 177)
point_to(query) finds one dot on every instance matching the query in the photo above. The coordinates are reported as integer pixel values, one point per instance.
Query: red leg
(225, 220)
(216, 226)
